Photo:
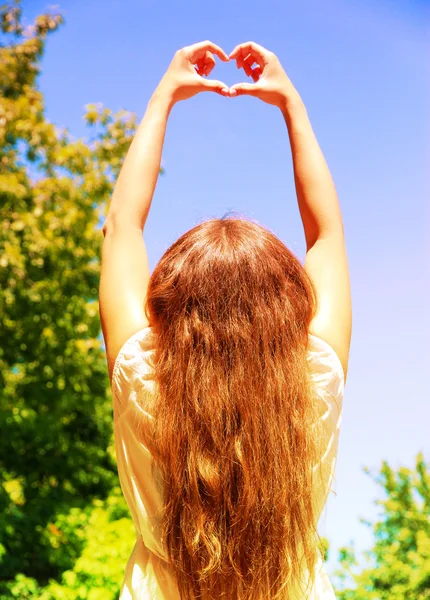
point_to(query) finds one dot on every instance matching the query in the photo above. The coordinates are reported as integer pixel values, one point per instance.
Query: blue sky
(361, 69)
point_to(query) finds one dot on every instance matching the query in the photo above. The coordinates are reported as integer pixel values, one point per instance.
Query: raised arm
(125, 271)
(326, 258)
(132, 196)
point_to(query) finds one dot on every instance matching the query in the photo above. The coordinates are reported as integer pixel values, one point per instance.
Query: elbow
(107, 227)
(123, 223)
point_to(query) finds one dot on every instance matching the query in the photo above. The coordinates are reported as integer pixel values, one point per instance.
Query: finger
(209, 63)
(242, 89)
(256, 73)
(197, 51)
(200, 67)
(250, 48)
(241, 64)
(249, 60)
(205, 64)
(212, 85)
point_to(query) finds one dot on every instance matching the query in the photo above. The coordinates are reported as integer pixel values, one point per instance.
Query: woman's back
(148, 574)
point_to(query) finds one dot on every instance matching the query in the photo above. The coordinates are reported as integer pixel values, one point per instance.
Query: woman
(227, 366)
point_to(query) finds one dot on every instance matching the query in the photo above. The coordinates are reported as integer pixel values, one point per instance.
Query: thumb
(241, 89)
(212, 85)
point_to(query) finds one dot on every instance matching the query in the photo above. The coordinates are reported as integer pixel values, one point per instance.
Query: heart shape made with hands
(246, 56)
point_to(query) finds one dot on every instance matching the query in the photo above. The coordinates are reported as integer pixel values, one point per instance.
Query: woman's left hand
(185, 76)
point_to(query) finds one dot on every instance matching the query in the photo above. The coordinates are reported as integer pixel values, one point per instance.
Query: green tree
(57, 459)
(108, 536)
(398, 565)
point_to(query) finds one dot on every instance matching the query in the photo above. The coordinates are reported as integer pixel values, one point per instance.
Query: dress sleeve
(327, 376)
(328, 381)
(131, 368)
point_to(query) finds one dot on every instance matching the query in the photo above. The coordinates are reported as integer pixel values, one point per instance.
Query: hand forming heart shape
(185, 75)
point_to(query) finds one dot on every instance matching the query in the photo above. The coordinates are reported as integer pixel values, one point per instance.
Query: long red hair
(234, 430)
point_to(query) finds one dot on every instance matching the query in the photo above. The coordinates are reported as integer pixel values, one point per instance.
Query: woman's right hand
(272, 84)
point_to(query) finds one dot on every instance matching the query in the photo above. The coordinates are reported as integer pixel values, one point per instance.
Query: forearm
(316, 194)
(134, 188)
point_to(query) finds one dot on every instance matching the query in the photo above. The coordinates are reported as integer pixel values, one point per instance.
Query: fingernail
(232, 93)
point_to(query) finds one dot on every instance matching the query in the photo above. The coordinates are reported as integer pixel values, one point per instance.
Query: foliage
(98, 572)
(56, 451)
(398, 565)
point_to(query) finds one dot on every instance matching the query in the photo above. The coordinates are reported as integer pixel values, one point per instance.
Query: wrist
(292, 105)
(164, 96)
